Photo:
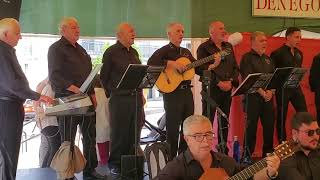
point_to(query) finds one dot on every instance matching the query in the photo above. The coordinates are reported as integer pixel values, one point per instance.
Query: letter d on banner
(10, 8)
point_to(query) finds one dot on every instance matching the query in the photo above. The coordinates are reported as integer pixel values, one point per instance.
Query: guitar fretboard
(199, 62)
(207, 59)
(250, 171)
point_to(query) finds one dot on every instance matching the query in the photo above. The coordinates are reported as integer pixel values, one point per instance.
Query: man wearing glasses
(199, 157)
(304, 164)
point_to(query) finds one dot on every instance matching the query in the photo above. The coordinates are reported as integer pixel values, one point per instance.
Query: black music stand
(285, 78)
(135, 78)
(250, 85)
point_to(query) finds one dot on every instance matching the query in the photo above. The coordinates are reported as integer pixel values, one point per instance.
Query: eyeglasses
(200, 137)
(311, 132)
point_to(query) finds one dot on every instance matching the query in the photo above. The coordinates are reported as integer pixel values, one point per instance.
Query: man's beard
(307, 147)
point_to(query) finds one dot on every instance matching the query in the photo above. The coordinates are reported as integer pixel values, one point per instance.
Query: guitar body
(214, 173)
(170, 79)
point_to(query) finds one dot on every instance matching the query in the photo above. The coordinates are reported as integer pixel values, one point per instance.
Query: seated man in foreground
(304, 164)
(199, 157)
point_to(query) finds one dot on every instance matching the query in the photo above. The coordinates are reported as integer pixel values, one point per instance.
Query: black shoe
(93, 175)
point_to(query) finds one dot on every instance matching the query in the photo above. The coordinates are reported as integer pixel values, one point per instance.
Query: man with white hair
(14, 90)
(122, 103)
(69, 65)
(224, 76)
(178, 104)
(199, 157)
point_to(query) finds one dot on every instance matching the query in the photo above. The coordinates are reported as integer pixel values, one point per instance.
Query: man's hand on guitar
(217, 60)
(273, 163)
(176, 65)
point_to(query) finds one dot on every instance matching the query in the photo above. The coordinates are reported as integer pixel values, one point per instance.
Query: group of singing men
(69, 65)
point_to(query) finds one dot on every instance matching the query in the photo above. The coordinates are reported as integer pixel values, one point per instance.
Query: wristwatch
(272, 177)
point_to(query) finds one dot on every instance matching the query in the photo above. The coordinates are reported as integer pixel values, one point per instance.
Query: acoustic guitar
(283, 151)
(170, 78)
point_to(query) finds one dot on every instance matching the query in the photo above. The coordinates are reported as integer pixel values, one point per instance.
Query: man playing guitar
(199, 158)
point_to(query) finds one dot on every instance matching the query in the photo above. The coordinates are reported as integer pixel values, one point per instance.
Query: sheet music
(151, 77)
(262, 82)
(295, 77)
(84, 87)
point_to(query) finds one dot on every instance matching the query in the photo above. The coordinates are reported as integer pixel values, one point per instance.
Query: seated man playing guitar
(200, 162)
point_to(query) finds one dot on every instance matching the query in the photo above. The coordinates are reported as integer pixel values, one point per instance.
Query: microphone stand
(212, 104)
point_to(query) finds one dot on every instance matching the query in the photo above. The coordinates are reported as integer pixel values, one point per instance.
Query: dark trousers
(11, 120)
(178, 106)
(296, 97)
(68, 129)
(53, 138)
(122, 124)
(317, 102)
(223, 100)
(258, 108)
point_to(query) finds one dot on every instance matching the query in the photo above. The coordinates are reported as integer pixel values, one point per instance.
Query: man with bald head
(178, 104)
(14, 90)
(69, 65)
(122, 103)
(224, 75)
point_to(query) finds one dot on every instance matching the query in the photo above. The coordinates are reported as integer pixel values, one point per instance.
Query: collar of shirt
(289, 48)
(211, 43)
(312, 154)
(121, 46)
(189, 157)
(171, 45)
(67, 43)
(253, 52)
(6, 46)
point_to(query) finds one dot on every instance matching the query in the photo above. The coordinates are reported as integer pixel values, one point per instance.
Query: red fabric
(310, 48)
(103, 149)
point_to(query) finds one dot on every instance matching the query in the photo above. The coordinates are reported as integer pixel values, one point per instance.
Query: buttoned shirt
(282, 57)
(115, 60)
(13, 82)
(301, 167)
(228, 68)
(185, 167)
(252, 62)
(68, 65)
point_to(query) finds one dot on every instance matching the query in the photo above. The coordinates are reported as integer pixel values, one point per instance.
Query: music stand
(248, 86)
(284, 78)
(135, 78)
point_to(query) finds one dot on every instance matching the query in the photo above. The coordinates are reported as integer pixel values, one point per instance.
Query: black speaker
(10, 9)
(131, 167)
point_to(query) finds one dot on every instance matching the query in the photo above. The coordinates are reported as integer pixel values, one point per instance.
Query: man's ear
(5, 34)
(294, 134)
(186, 138)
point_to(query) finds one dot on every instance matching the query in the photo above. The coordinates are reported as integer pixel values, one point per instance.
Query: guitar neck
(250, 171)
(199, 62)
